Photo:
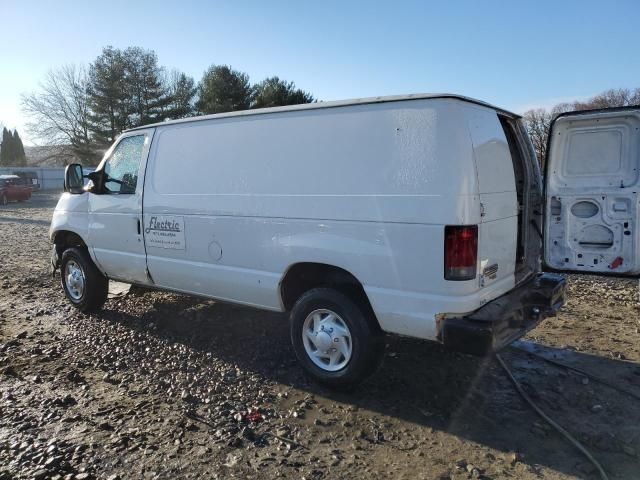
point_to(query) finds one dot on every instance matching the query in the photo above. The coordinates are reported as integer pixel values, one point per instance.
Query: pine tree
(273, 92)
(223, 89)
(146, 92)
(126, 90)
(6, 148)
(108, 96)
(19, 159)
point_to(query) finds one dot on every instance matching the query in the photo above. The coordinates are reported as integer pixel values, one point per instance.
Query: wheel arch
(64, 239)
(301, 277)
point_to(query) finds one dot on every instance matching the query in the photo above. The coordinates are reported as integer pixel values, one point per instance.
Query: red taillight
(460, 252)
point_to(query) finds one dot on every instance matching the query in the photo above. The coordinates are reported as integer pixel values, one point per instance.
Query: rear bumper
(506, 318)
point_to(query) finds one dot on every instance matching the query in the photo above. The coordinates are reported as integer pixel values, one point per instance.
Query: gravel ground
(161, 385)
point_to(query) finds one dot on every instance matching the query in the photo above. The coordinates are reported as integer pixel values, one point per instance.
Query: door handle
(139, 230)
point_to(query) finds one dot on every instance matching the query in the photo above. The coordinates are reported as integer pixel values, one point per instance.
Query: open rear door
(592, 181)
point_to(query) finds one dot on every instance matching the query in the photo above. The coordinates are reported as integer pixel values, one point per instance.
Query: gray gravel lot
(160, 385)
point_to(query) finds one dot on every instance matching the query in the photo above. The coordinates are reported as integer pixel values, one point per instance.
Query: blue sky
(513, 54)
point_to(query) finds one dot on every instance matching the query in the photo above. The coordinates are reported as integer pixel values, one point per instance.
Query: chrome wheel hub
(327, 340)
(74, 279)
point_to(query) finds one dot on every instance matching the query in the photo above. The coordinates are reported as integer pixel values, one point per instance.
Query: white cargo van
(419, 215)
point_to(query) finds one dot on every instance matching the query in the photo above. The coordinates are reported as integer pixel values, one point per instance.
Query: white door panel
(115, 214)
(113, 234)
(498, 229)
(592, 201)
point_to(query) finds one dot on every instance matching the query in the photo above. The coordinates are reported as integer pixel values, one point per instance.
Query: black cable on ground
(581, 372)
(565, 434)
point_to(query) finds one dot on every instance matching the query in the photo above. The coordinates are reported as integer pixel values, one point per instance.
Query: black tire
(367, 338)
(3, 199)
(96, 285)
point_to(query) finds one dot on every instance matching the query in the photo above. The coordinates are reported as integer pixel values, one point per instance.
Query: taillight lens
(460, 252)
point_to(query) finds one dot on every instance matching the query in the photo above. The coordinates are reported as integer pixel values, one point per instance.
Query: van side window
(123, 165)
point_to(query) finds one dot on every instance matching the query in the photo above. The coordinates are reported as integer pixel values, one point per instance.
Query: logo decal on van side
(165, 231)
(162, 225)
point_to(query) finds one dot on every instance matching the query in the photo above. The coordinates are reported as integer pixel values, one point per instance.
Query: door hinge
(482, 211)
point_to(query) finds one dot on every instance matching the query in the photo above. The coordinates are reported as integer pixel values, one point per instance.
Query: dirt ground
(160, 385)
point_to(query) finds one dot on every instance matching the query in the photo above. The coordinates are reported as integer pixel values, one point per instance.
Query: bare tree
(59, 112)
(538, 121)
(621, 97)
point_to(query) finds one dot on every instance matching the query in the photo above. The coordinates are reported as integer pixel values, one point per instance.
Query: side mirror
(96, 181)
(73, 178)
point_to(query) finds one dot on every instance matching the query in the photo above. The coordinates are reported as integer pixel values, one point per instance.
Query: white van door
(592, 190)
(115, 212)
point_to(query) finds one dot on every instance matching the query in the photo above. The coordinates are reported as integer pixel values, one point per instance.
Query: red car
(12, 188)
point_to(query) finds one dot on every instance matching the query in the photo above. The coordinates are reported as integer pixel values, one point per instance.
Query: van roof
(332, 104)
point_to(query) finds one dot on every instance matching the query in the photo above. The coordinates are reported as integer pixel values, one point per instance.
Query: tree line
(84, 108)
(87, 107)
(12, 150)
(538, 121)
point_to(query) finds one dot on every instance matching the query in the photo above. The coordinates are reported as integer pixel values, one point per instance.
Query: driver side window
(123, 165)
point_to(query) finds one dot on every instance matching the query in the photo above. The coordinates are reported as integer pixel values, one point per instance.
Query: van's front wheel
(83, 284)
(334, 339)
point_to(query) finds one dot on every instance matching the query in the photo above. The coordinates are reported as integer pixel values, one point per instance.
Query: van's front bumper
(507, 318)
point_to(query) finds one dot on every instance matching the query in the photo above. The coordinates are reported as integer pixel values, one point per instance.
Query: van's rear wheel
(334, 339)
(83, 284)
